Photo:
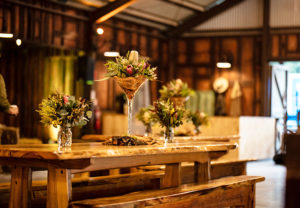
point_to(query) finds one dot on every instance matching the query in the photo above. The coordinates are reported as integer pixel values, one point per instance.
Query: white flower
(134, 57)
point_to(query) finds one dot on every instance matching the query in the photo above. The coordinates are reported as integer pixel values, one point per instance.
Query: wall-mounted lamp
(19, 42)
(111, 54)
(225, 62)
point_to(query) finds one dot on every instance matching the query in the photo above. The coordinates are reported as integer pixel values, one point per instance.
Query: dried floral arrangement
(175, 88)
(167, 114)
(145, 115)
(132, 65)
(63, 110)
(198, 118)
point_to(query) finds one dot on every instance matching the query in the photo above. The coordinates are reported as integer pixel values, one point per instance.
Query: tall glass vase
(130, 85)
(64, 137)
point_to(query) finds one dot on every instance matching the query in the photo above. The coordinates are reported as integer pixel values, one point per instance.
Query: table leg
(20, 187)
(59, 188)
(172, 177)
(202, 171)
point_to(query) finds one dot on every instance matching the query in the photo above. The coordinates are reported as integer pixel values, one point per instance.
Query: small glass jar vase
(148, 130)
(197, 130)
(169, 134)
(64, 137)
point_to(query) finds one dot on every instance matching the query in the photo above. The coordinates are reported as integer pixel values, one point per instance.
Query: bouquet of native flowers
(177, 91)
(64, 111)
(168, 115)
(145, 116)
(198, 119)
(132, 65)
(130, 72)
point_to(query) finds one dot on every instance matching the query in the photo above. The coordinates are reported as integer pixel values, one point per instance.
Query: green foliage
(64, 110)
(198, 118)
(175, 88)
(130, 67)
(145, 115)
(167, 114)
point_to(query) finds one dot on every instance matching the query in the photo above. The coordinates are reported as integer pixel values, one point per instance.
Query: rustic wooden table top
(97, 150)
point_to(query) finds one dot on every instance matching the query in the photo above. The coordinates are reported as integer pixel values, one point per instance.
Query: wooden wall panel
(197, 66)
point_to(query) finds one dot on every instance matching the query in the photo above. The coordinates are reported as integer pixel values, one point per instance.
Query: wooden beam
(187, 5)
(199, 18)
(265, 72)
(109, 10)
(150, 17)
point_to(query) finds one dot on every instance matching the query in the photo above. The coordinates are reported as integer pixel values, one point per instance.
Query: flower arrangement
(198, 119)
(175, 88)
(132, 65)
(63, 110)
(167, 114)
(144, 115)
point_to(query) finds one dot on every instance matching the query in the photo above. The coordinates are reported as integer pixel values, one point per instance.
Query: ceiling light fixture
(6, 35)
(111, 54)
(225, 61)
(100, 31)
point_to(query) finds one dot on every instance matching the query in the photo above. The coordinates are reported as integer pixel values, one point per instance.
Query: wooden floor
(269, 194)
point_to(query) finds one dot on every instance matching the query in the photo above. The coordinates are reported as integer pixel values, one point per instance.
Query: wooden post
(172, 177)
(59, 189)
(202, 171)
(20, 187)
(265, 72)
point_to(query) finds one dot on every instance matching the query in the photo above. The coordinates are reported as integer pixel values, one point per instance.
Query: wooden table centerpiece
(177, 91)
(65, 112)
(130, 72)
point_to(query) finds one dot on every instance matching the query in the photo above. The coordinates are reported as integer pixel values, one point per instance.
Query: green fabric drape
(203, 101)
(59, 75)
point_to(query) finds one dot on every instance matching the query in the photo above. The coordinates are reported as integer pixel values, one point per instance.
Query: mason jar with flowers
(130, 72)
(144, 116)
(65, 112)
(177, 91)
(168, 115)
(198, 119)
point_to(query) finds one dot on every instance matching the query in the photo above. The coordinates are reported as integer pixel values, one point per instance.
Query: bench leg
(20, 187)
(172, 177)
(59, 188)
(251, 198)
(202, 171)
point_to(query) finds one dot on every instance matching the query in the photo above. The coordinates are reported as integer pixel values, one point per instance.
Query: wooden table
(94, 156)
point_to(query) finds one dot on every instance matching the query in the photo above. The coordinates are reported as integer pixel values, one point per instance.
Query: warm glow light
(100, 31)
(111, 54)
(6, 35)
(224, 65)
(18, 42)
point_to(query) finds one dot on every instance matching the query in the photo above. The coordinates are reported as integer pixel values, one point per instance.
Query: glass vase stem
(130, 102)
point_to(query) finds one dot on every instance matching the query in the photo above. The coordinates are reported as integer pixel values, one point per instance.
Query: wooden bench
(225, 192)
(92, 187)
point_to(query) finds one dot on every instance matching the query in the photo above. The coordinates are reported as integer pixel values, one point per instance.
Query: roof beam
(109, 10)
(188, 5)
(199, 18)
(150, 17)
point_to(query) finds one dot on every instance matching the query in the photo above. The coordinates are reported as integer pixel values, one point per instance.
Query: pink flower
(66, 99)
(129, 69)
(145, 65)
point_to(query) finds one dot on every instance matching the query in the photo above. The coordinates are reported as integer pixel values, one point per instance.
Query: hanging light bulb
(19, 42)
(100, 31)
